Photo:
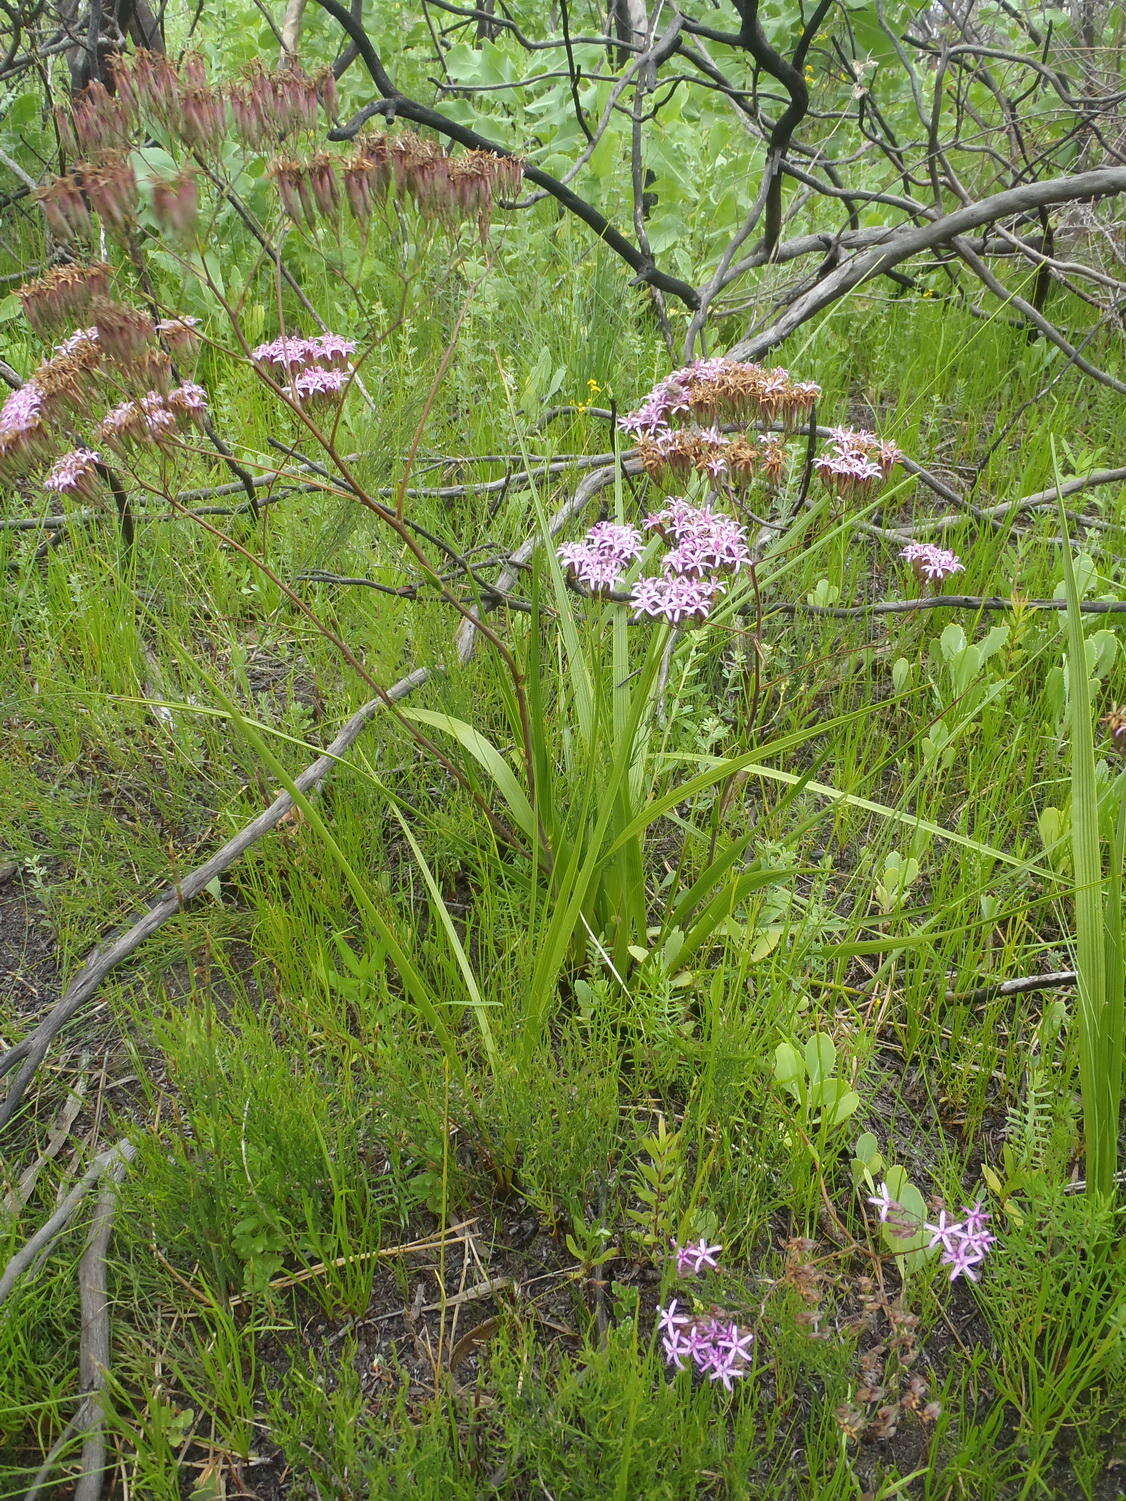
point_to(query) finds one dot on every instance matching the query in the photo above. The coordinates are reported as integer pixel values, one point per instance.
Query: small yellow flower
(593, 387)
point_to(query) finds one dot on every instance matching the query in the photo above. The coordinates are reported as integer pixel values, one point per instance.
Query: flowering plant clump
(931, 564)
(442, 187)
(678, 433)
(965, 1242)
(123, 351)
(600, 559)
(73, 473)
(62, 295)
(704, 548)
(678, 600)
(675, 453)
(714, 1343)
(22, 427)
(711, 391)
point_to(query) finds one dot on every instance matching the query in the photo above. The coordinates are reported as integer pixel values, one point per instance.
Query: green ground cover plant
(670, 1042)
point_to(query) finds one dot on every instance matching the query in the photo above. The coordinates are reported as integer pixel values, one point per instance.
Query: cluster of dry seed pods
(448, 189)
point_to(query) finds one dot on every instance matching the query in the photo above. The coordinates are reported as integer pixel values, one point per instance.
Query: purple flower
(691, 1259)
(72, 472)
(595, 570)
(669, 1321)
(330, 347)
(600, 559)
(287, 351)
(23, 410)
(77, 340)
(974, 1218)
(191, 397)
(931, 562)
(155, 414)
(317, 383)
(883, 1203)
(718, 1348)
(848, 438)
(609, 537)
(966, 1254)
(676, 599)
(677, 1347)
(945, 1232)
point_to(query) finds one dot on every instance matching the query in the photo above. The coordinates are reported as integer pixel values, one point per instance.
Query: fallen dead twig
(1057, 980)
(450, 1236)
(942, 602)
(94, 1354)
(32, 1049)
(18, 1196)
(122, 1153)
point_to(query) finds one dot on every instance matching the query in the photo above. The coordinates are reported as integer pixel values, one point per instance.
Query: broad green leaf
(789, 1070)
(820, 1057)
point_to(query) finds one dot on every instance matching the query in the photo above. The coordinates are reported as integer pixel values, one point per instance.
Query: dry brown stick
(1058, 980)
(93, 1348)
(940, 602)
(1004, 509)
(93, 1358)
(32, 1049)
(123, 1152)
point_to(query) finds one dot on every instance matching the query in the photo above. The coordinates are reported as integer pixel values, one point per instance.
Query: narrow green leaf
(485, 753)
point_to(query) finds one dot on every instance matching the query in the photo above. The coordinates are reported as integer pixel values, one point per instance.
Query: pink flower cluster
(691, 1259)
(716, 1345)
(719, 389)
(719, 1348)
(179, 335)
(22, 428)
(22, 411)
(856, 461)
(604, 554)
(318, 386)
(931, 563)
(704, 547)
(318, 368)
(965, 1243)
(706, 541)
(154, 417)
(678, 600)
(292, 352)
(82, 339)
(74, 473)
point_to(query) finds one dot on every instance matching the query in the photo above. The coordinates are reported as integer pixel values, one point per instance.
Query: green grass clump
(424, 1086)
